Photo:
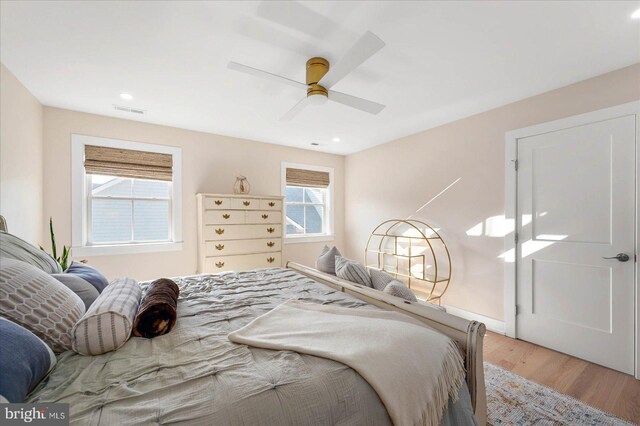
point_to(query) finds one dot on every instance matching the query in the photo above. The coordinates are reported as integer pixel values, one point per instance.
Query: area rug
(514, 400)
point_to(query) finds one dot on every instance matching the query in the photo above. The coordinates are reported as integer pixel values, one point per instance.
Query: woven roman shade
(308, 178)
(102, 160)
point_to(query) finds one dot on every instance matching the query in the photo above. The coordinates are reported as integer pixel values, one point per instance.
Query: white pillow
(35, 300)
(353, 271)
(108, 323)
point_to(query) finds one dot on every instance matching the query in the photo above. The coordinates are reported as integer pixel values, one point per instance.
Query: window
(126, 197)
(308, 195)
(125, 210)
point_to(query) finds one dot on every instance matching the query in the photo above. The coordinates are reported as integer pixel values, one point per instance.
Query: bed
(195, 375)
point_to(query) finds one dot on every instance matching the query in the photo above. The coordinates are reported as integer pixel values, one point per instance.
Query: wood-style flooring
(598, 386)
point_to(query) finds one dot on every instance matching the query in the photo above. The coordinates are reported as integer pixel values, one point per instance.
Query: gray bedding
(195, 375)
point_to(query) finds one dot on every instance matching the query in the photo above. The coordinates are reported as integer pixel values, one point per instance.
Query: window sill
(125, 249)
(307, 239)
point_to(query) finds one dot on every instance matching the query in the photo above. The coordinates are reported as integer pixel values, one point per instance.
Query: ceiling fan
(321, 77)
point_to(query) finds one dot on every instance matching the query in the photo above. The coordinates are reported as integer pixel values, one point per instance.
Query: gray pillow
(398, 289)
(327, 260)
(12, 247)
(353, 271)
(79, 286)
(379, 279)
(38, 302)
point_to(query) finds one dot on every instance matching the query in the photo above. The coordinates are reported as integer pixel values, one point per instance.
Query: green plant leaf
(53, 239)
(64, 262)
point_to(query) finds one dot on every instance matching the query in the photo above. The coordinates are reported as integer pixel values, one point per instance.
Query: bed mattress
(194, 375)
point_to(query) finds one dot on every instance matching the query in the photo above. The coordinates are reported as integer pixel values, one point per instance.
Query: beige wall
(210, 163)
(396, 179)
(20, 158)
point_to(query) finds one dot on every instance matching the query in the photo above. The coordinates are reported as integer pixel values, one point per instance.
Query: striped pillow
(353, 271)
(108, 323)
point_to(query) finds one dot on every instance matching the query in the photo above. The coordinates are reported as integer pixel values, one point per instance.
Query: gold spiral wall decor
(412, 252)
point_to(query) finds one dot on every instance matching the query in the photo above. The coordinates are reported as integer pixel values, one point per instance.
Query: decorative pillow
(379, 279)
(107, 324)
(82, 288)
(398, 289)
(327, 260)
(24, 361)
(89, 274)
(38, 302)
(12, 247)
(353, 271)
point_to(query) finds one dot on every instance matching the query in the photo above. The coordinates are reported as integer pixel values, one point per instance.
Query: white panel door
(575, 207)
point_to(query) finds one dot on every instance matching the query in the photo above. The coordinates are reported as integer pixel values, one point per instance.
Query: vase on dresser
(238, 232)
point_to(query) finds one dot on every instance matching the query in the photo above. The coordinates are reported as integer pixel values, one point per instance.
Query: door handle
(621, 257)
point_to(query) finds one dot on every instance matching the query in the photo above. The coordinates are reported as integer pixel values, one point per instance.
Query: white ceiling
(443, 60)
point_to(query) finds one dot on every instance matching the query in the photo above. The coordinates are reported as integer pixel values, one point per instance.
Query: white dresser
(238, 232)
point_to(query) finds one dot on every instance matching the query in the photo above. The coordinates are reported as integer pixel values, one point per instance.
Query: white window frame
(80, 200)
(328, 208)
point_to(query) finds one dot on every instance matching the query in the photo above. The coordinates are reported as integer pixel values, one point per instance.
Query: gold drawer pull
(219, 264)
(219, 231)
(265, 216)
(271, 204)
(270, 259)
(270, 230)
(226, 216)
(246, 203)
(271, 244)
(219, 246)
(218, 202)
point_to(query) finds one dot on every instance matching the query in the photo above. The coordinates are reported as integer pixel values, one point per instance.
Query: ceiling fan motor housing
(316, 69)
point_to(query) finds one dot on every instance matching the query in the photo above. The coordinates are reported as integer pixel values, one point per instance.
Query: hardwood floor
(601, 387)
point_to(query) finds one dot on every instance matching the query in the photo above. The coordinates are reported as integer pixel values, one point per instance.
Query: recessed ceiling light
(636, 14)
(336, 139)
(126, 96)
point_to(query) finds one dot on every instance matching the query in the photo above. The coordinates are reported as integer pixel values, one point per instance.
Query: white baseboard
(492, 324)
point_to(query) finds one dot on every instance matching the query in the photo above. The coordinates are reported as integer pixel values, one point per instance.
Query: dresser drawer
(271, 204)
(230, 247)
(242, 262)
(245, 203)
(223, 217)
(241, 232)
(215, 203)
(264, 216)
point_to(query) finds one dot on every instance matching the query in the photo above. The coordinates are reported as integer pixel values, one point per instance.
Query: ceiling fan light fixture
(317, 99)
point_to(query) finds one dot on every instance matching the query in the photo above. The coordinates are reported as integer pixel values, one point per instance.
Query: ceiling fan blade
(265, 74)
(364, 48)
(296, 109)
(355, 102)
(295, 15)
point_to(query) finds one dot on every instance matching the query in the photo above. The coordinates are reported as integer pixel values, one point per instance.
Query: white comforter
(413, 369)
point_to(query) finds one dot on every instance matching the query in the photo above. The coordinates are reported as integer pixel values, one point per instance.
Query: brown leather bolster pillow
(157, 312)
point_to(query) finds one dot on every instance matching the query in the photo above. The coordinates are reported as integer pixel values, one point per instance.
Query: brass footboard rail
(467, 334)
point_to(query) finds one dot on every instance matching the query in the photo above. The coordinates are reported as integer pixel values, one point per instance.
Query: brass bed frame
(468, 335)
